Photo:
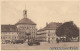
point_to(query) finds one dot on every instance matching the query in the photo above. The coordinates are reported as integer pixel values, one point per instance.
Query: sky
(40, 12)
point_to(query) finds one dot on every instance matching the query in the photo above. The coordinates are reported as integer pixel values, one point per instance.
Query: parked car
(7, 41)
(33, 42)
(17, 41)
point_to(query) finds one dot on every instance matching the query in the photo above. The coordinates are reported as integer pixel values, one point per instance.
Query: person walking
(57, 40)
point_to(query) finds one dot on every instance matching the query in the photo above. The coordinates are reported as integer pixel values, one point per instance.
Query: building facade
(49, 31)
(26, 26)
(41, 35)
(8, 33)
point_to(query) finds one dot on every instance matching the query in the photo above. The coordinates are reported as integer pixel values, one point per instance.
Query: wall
(28, 29)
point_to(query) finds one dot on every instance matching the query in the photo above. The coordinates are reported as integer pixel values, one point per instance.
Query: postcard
(40, 25)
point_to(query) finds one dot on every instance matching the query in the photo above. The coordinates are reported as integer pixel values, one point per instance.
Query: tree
(68, 29)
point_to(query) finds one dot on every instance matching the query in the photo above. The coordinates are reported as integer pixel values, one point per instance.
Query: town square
(40, 25)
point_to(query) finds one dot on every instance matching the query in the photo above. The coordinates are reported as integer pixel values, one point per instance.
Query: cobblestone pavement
(42, 46)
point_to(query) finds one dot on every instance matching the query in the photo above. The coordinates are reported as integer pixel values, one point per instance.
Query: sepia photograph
(40, 25)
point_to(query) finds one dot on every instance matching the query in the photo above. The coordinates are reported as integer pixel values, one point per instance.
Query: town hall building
(19, 31)
(26, 26)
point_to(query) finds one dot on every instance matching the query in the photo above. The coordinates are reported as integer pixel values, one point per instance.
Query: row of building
(25, 26)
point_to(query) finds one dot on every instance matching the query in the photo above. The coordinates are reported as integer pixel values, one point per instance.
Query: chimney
(46, 23)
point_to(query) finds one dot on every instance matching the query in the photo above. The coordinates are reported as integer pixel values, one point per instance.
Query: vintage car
(33, 42)
(17, 41)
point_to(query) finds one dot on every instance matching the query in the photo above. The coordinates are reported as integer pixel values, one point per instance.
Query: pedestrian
(57, 40)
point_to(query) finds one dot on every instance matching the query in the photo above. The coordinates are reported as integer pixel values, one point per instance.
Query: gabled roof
(25, 21)
(8, 28)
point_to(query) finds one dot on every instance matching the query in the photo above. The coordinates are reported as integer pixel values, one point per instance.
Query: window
(34, 32)
(1, 37)
(12, 32)
(27, 28)
(9, 32)
(33, 27)
(6, 37)
(5, 32)
(49, 31)
(17, 33)
(48, 35)
(12, 37)
(48, 38)
(15, 37)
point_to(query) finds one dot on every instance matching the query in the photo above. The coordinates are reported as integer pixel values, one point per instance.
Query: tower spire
(25, 6)
(25, 12)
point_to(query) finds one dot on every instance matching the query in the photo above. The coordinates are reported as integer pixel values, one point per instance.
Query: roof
(25, 21)
(41, 30)
(8, 28)
(52, 26)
